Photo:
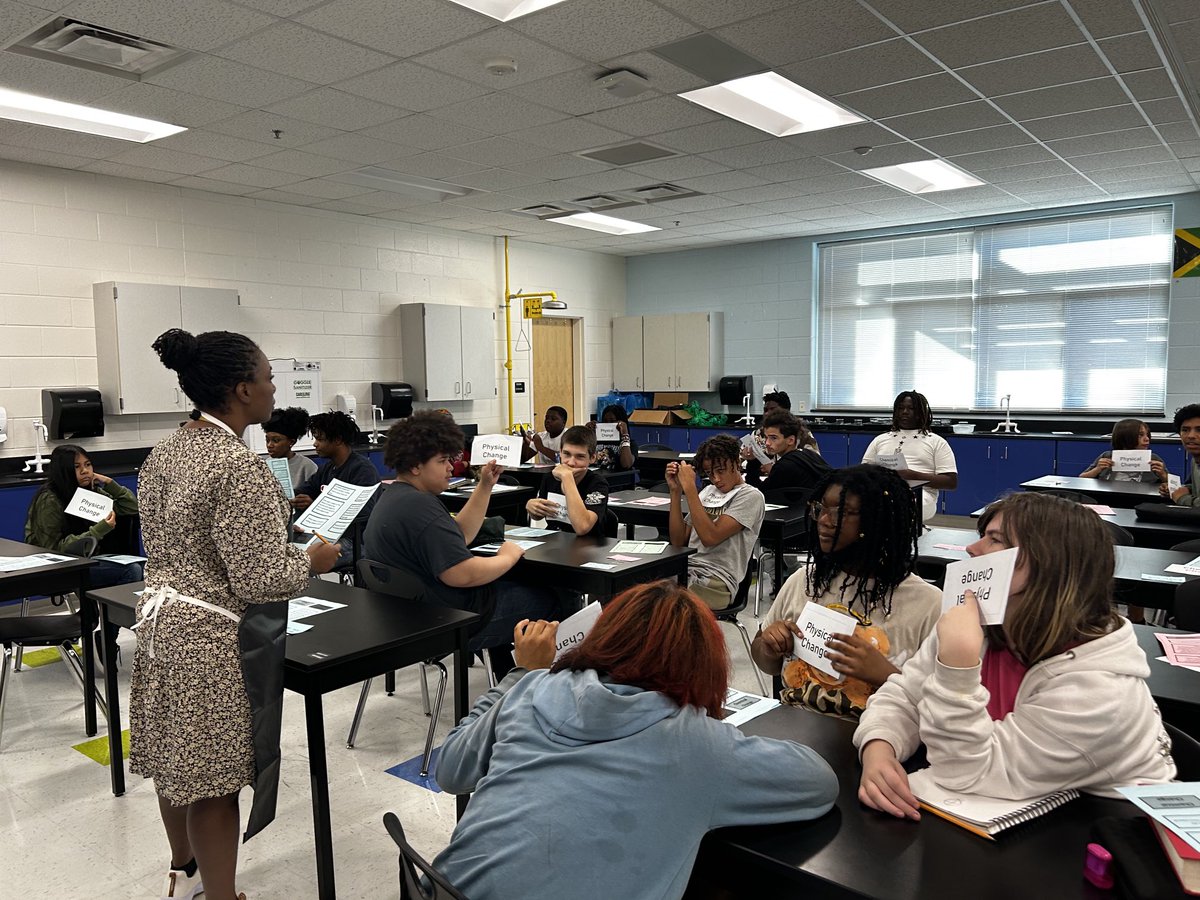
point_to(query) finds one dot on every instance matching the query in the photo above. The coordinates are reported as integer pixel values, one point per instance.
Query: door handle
(1005, 456)
(637, 381)
(176, 396)
(468, 390)
(457, 388)
(989, 451)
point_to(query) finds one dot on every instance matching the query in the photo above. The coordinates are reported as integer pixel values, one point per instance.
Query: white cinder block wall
(314, 284)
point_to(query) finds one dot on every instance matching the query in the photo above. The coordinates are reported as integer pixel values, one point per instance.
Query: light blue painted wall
(766, 290)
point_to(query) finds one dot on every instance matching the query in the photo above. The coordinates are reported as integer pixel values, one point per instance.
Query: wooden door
(553, 369)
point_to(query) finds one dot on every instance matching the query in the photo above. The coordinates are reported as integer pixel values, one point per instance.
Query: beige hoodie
(1083, 719)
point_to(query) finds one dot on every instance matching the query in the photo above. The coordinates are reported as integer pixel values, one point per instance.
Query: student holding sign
(1053, 698)
(722, 520)
(867, 523)
(795, 465)
(1128, 434)
(926, 456)
(544, 445)
(572, 497)
(1187, 424)
(613, 752)
(283, 429)
(619, 452)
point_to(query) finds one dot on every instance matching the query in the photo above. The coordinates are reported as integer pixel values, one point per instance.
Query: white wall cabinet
(128, 319)
(683, 352)
(449, 352)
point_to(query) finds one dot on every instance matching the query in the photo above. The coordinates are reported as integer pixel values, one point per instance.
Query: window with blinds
(1066, 314)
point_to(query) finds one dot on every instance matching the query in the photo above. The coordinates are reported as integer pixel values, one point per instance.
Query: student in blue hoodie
(596, 775)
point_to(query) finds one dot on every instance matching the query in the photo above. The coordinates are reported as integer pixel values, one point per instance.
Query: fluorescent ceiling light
(21, 107)
(398, 183)
(924, 177)
(772, 104)
(607, 224)
(506, 10)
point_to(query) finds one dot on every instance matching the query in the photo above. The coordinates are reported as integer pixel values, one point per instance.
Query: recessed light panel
(22, 107)
(772, 104)
(607, 224)
(506, 10)
(924, 177)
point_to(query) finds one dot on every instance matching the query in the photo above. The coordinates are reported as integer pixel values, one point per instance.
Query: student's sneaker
(180, 886)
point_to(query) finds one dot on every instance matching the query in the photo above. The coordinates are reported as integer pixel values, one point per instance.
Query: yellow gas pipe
(508, 347)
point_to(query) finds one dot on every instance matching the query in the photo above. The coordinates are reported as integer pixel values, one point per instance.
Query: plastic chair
(509, 480)
(730, 614)
(1192, 546)
(1185, 750)
(410, 861)
(611, 526)
(385, 579)
(1120, 536)
(85, 547)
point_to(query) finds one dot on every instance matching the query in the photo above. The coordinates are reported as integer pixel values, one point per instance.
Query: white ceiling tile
(225, 80)
(1141, 156)
(918, 15)
(200, 183)
(210, 143)
(804, 30)
(927, 92)
(759, 153)
(1035, 70)
(1038, 27)
(1163, 112)
(1131, 53)
(259, 125)
(949, 120)
(1063, 98)
(164, 104)
(596, 31)
(1150, 84)
(49, 158)
(240, 173)
(282, 8)
(1186, 150)
(301, 163)
(722, 181)
(977, 141)
(1026, 172)
(677, 167)
(1002, 158)
(1105, 18)
(486, 201)
(696, 204)
(891, 155)
(1178, 131)
(792, 169)
(1146, 186)
(134, 172)
(1114, 118)
(465, 59)
(299, 52)
(1177, 10)
(424, 132)
(327, 190)
(195, 25)
(326, 106)
(708, 136)
(837, 140)
(574, 92)
(17, 20)
(568, 135)
(168, 160)
(767, 193)
(354, 207)
(411, 87)
(714, 13)
(59, 82)
(70, 143)
(1128, 139)
(497, 179)
(652, 116)
(434, 165)
(852, 70)
(359, 148)
(1049, 183)
(400, 29)
(498, 113)
(497, 151)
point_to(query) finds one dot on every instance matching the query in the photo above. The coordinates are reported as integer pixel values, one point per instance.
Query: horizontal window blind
(1067, 315)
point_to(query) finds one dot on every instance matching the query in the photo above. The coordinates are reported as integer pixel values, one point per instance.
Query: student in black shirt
(333, 434)
(795, 465)
(585, 491)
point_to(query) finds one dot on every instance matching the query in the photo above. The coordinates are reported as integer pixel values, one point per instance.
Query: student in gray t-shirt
(722, 520)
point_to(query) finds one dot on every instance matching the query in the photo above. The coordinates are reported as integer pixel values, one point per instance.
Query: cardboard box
(659, 417)
(671, 399)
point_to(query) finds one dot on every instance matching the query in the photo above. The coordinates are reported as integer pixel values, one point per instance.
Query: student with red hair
(597, 774)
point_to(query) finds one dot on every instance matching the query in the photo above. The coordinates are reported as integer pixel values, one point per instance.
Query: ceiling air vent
(655, 192)
(628, 154)
(86, 46)
(601, 201)
(544, 209)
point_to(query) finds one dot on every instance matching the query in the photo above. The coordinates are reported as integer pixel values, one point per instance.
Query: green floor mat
(97, 748)
(43, 657)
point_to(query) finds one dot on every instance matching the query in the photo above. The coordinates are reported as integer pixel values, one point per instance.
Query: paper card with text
(283, 474)
(817, 625)
(561, 501)
(607, 432)
(1131, 460)
(89, 505)
(572, 630)
(1173, 483)
(505, 449)
(891, 460)
(989, 576)
(751, 441)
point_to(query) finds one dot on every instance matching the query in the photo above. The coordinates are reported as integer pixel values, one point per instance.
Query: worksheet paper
(989, 576)
(17, 563)
(495, 548)
(1131, 460)
(121, 559)
(572, 630)
(1175, 806)
(1099, 509)
(817, 625)
(332, 513)
(1190, 568)
(740, 707)
(89, 505)
(658, 500)
(306, 607)
(759, 451)
(1181, 649)
(640, 547)
(283, 474)
(529, 532)
(505, 449)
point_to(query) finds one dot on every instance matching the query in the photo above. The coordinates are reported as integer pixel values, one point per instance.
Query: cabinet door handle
(457, 388)
(176, 396)
(1005, 456)
(637, 381)
(989, 451)
(468, 391)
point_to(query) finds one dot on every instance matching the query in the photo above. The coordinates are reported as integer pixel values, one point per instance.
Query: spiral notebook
(984, 816)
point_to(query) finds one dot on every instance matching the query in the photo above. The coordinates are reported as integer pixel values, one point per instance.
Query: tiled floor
(63, 834)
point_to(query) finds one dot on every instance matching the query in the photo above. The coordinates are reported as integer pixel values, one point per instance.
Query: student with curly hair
(927, 456)
(283, 429)
(1187, 425)
(867, 523)
(618, 744)
(722, 520)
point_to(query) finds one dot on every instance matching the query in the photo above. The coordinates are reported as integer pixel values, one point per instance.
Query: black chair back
(1187, 606)
(1185, 750)
(1073, 496)
(1120, 536)
(654, 447)
(1192, 546)
(610, 527)
(509, 480)
(385, 579)
(410, 861)
(741, 598)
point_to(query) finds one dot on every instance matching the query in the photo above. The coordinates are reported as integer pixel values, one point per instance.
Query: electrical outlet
(800, 405)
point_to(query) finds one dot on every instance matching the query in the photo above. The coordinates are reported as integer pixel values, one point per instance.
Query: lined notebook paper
(984, 816)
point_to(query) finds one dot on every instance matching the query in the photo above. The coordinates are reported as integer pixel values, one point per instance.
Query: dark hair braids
(780, 398)
(719, 451)
(620, 413)
(335, 425)
(419, 438)
(883, 556)
(921, 410)
(210, 365)
(292, 422)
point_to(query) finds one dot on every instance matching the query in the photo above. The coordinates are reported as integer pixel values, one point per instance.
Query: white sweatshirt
(1083, 719)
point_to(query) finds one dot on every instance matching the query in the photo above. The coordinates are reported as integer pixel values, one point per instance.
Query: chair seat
(39, 631)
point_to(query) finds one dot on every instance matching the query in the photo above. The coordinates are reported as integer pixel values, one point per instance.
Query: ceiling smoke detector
(501, 66)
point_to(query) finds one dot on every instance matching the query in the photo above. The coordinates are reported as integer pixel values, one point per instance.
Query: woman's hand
(855, 656)
(533, 643)
(960, 635)
(884, 783)
(111, 519)
(623, 430)
(322, 556)
(1105, 462)
(97, 478)
(777, 638)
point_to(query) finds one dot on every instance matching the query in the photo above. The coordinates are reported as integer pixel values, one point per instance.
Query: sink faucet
(40, 434)
(375, 423)
(1008, 426)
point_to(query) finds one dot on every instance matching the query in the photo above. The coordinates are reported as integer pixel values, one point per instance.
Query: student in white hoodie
(1054, 698)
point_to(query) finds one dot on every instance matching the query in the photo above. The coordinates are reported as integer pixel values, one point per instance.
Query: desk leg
(318, 774)
(87, 619)
(112, 696)
(460, 698)
(779, 544)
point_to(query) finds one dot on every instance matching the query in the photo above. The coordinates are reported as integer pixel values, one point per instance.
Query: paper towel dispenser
(72, 413)
(734, 388)
(394, 398)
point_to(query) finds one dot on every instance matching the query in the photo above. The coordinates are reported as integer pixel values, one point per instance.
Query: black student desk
(1161, 535)
(1112, 493)
(559, 562)
(854, 852)
(1176, 690)
(68, 577)
(372, 635)
(531, 476)
(509, 501)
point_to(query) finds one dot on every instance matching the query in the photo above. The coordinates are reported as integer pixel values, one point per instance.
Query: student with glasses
(866, 523)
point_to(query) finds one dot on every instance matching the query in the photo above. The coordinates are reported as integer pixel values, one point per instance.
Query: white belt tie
(164, 597)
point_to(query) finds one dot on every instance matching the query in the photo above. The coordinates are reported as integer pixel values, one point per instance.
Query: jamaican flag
(1187, 253)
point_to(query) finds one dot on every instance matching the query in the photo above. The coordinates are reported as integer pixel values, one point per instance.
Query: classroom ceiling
(1050, 103)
